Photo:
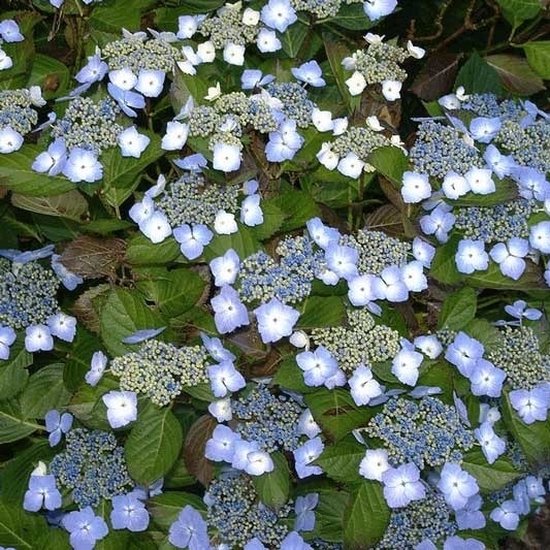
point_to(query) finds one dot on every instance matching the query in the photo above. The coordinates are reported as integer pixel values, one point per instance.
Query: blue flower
(215, 348)
(486, 379)
(221, 445)
(531, 405)
(38, 338)
(342, 260)
(293, 541)
(189, 530)
(57, 425)
(510, 256)
(192, 239)
(97, 368)
(53, 160)
(318, 366)
(225, 378)
(10, 140)
(275, 320)
(7, 338)
(519, 310)
(457, 485)
(403, 485)
(278, 14)
(42, 493)
(484, 129)
(471, 256)
(251, 213)
(150, 82)
(132, 143)
(129, 513)
(85, 528)
(62, 326)
(126, 99)
(93, 71)
(69, 279)
(9, 31)
(305, 516)
(310, 73)
(464, 353)
(284, 143)
(303, 457)
(252, 78)
(225, 268)
(506, 515)
(83, 165)
(229, 312)
(194, 163)
(500, 164)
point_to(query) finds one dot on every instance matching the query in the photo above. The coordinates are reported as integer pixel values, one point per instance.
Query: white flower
(251, 17)
(374, 124)
(391, 89)
(372, 38)
(10, 140)
(224, 223)
(206, 52)
(356, 83)
(121, 407)
(175, 137)
(226, 157)
(213, 92)
(415, 51)
(328, 158)
(351, 165)
(124, 78)
(374, 464)
(322, 120)
(233, 54)
(132, 143)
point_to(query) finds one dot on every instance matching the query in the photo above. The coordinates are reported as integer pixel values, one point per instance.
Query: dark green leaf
(274, 487)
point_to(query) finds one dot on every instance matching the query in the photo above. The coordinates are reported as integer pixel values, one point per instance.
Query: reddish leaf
(193, 449)
(436, 77)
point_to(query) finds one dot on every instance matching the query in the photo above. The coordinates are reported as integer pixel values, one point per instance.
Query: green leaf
(443, 266)
(71, 205)
(13, 373)
(298, 207)
(20, 529)
(87, 406)
(458, 309)
(490, 477)
(141, 251)
(515, 73)
(538, 56)
(290, 377)
(16, 174)
(366, 517)
(51, 75)
(123, 314)
(336, 412)
(121, 175)
(518, 11)
(341, 461)
(44, 392)
(273, 488)
(478, 77)
(319, 311)
(79, 358)
(153, 444)
(336, 51)
(114, 16)
(13, 425)
(15, 475)
(293, 38)
(176, 291)
(534, 439)
(165, 508)
(244, 243)
(329, 514)
(273, 219)
(351, 17)
(391, 162)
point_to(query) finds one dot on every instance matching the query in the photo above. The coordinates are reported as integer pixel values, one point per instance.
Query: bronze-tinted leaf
(71, 205)
(85, 307)
(437, 76)
(193, 449)
(516, 74)
(92, 257)
(386, 218)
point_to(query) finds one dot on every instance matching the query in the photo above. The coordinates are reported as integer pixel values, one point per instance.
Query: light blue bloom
(317, 366)
(216, 349)
(531, 405)
(519, 310)
(225, 268)
(129, 513)
(18, 257)
(225, 378)
(252, 78)
(509, 257)
(471, 256)
(93, 71)
(322, 234)
(293, 541)
(192, 239)
(42, 493)
(416, 187)
(342, 260)
(375, 9)
(83, 165)
(53, 160)
(221, 445)
(278, 14)
(486, 379)
(38, 338)
(457, 485)
(62, 326)
(97, 368)
(310, 73)
(275, 320)
(150, 82)
(10, 140)
(189, 530)
(126, 99)
(539, 237)
(305, 454)
(7, 338)
(69, 279)
(403, 485)
(57, 425)
(458, 543)
(464, 353)
(251, 213)
(132, 143)
(506, 515)
(85, 528)
(471, 517)
(500, 164)
(439, 222)
(10, 32)
(284, 143)
(193, 163)
(304, 510)
(484, 129)
(229, 312)
(532, 183)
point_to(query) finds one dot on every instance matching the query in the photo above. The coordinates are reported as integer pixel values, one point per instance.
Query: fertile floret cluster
(361, 342)
(320, 8)
(160, 371)
(191, 199)
(296, 104)
(92, 466)
(136, 53)
(269, 420)
(440, 149)
(89, 124)
(427, 432)
(518, 354)
(429, 518)
(289, 280)
(16, 110)
(495, 223)
(376, 250)
(235, 511)
(27, 294)
(227, 27)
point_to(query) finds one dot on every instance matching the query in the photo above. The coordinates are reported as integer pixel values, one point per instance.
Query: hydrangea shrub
(274, 274)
